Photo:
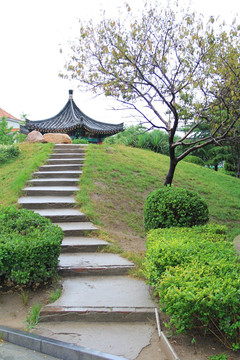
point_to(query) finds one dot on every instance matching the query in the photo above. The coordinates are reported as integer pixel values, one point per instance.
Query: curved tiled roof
(72, 118)
(5, 114)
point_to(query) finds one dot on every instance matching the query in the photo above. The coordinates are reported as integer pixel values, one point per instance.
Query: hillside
(117, 179)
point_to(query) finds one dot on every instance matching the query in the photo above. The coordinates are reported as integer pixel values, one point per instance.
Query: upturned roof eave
(75, 118)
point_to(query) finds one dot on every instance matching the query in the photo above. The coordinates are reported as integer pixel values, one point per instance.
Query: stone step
(56, 161)
(53, 182)
(47, 202)
(82, 244)
(68, 147)
(89, 264)
(57, 174)
(70, 151)
(77, 228)
(125, 340)
(101, 298)
(50, 190)
(63, 167)
(67, 155)
(62, 215)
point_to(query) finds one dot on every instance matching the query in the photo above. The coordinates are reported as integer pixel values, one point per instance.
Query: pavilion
(72, 121)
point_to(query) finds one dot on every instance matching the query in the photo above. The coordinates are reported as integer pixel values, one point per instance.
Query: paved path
(10, 351)
(101, 307)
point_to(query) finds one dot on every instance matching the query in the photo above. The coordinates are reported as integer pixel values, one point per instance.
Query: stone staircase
(96, 288)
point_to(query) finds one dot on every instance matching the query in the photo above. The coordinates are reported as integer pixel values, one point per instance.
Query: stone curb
(53, 347)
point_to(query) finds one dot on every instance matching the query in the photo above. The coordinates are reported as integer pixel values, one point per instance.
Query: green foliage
(218, 357)
(175, 246)
(8, 152)
(194, 160)
(33, 316)
(29, 247)
(139, 137)
(6, 137)
(80, 141)
(169, 68)
(19, 138)
(55, 295)
(196, 275)
(14, 174)
(170, 206)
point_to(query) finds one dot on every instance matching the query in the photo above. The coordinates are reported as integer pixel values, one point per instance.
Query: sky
(31, 35)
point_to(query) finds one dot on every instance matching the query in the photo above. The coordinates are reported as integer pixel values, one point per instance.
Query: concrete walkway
(101, 307)
(10, 351)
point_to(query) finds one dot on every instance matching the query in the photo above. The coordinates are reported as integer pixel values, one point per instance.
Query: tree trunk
(216, 167)
(170, 174)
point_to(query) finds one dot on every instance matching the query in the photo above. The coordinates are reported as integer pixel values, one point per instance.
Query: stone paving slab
(53, 182)
(71, 155)
(54, 161)
(63, 167)
(49, 202)
(93, 260)
(76, 243)
(59, 174)
(76, 228)
(106, 292)
(62, 215)
(85, 264)
(120, 339)
(50, 190)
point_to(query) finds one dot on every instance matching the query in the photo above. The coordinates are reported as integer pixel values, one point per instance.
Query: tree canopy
(169, 66)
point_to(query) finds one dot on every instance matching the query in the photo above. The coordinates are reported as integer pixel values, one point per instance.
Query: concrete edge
(167, 348)
(51, 347)
(164, 343)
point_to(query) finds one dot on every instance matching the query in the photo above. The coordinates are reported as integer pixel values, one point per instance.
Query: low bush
(80, 141)
(196, 276)
(169, 207)
(8, 152)
(194, 160)
(175, 246)
(29, 247)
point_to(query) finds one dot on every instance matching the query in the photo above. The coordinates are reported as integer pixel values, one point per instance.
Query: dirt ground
(13, 313)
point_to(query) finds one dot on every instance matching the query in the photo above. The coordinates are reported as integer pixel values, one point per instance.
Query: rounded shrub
(169, 207)
(29, 247)
(194, 160)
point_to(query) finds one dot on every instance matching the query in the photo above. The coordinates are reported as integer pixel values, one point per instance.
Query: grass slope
(15, 173)
(117, 179)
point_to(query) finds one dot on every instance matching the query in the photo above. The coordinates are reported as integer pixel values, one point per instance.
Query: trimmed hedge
(194, 160)
(196, 274)
(169, 207)
(8, 152)
(29, 247)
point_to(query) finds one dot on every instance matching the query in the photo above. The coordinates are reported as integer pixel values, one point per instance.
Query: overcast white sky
(30, 36)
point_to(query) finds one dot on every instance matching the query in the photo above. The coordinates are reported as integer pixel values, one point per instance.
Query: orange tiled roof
(7, 115)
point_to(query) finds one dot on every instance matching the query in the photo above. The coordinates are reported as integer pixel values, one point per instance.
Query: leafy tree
(6, 137)
(162, 64)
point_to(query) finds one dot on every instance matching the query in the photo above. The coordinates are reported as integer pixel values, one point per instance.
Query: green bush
(8, 152)
(175, 246)
(29, 247)
(169, 207)
(196, 275)
(80, 141)
(194, 160)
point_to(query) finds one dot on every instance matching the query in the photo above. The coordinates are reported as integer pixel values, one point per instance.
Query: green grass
(55, 295)
(33, 316)
(116, 180)
(15, 173)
